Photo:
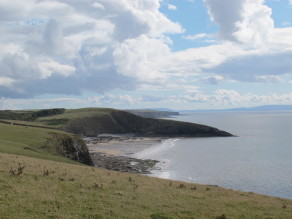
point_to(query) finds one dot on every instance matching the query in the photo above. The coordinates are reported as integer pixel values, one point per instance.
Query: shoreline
(114, 153)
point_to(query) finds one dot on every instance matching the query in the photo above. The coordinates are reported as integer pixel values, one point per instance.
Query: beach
(114, 153)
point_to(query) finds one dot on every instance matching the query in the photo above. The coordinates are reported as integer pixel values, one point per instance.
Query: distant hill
(265, 108)
(150, 113)
(257, 108)
(95, 121)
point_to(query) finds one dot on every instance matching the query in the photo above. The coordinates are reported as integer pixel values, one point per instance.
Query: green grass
(51, 187)
(71, 114)
(48, 189)
(28, 141)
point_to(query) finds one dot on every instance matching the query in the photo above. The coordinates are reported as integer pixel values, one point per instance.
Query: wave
(155, 151)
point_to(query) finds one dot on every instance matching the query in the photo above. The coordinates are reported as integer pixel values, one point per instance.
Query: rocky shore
(112, 153)
(122, 163)
(108, 139)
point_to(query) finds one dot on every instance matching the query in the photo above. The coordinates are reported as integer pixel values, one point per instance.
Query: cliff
(72, 147)
(121, 122)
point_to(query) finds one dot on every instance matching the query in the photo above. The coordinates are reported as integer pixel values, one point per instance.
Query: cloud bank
(249, 48)
(68, 47)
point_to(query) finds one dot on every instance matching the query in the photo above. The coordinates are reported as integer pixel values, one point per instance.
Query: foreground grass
(28, 141)
(36, 188)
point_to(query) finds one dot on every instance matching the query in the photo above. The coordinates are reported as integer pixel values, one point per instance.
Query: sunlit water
(258, 160)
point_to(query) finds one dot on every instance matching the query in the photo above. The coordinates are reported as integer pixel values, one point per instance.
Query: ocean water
(258, 160)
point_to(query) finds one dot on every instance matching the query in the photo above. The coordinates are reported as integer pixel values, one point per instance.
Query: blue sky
(179, 54)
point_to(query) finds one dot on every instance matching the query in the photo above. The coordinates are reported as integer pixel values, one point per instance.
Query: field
(54, 118)
(35, 188)
(28, 141)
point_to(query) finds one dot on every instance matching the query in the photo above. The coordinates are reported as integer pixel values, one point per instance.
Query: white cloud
(15, 104)
(110, 100)
(71, 46)
(244, 21)
(254, 67)
(98, 5)
(224, 98)
(80, 46)
(193, 99)
(261, 56)
(269, 79)
(50, 67)
(196, 61)
(5, 81)
(143, 56)
(171, 7)
(214, 79)
(196, 36)
(285, 23)
(219, 98)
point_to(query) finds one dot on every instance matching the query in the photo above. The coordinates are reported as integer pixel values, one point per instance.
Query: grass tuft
(17, 171)
(223, 216)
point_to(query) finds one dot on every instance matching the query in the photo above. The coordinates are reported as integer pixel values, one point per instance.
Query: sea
(258, 159)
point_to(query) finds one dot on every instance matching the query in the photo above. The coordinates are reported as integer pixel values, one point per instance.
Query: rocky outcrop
(70, 146)
(122, 163)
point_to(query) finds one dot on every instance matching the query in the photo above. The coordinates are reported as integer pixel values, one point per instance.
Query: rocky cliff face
(72, 147)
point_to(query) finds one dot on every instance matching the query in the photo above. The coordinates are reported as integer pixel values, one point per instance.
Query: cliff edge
(72, 147)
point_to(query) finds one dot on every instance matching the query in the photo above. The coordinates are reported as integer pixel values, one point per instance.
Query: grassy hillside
(34, 188)
(29, 115)
(38, 142)
(117, 121)
(93, 121)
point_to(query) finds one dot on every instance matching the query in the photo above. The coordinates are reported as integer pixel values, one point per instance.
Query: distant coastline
(263, 108)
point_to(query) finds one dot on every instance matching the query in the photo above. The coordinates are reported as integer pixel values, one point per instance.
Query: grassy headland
(94, 121)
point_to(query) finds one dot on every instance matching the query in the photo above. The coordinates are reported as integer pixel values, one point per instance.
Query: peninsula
(95, 121)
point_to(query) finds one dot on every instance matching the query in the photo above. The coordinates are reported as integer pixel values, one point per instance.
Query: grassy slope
(93, 121)
(67, 191)
(71, 114)
(28, 141)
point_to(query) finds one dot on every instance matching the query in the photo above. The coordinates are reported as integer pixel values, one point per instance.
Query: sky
(130, 54)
